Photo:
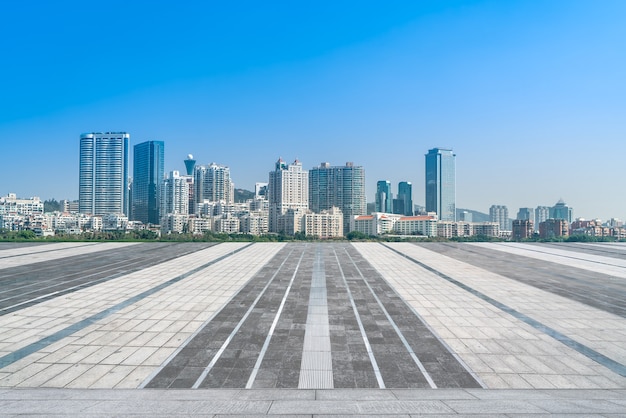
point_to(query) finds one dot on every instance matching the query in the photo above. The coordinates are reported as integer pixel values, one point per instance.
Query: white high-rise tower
(288, 188)
(103, 173)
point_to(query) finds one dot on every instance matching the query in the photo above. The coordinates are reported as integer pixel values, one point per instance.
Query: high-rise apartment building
(213, 183)
(384, 198)
(103, 173)
(175, 194)
(500, 215)
(287, 189)
(405, 198)
(148, 163)
(542, 214)
(340, 186)
(441, 183)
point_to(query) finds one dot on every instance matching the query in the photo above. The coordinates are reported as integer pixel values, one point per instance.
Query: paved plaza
(312, 329)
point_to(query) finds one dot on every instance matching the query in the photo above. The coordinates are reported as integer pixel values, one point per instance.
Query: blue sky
(531, 95)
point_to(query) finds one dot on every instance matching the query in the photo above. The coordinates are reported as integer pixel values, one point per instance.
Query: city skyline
(529, 95)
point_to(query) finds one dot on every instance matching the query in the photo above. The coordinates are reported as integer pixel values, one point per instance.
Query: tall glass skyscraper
(384, 199)
(340, 186)
(405, 197)
(441, 183)
(148, 174)
(103, 173)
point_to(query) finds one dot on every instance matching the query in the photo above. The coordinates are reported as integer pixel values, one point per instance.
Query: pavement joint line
(588, 352)
(406, 344)
(561, 255)
(368, 347)
(217, 355)
(318, 281)
(48, 251)
(46, 341)
(270, 334)
(192, 336)
(59, 292)
(129, 264)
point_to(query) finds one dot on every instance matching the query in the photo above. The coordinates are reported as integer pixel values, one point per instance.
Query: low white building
(377, 223)
(326, 224)
(174, 223)
(227, 224)
(255, 223)
(425, 225)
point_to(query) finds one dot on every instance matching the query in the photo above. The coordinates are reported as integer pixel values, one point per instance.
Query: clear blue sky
(531, 95)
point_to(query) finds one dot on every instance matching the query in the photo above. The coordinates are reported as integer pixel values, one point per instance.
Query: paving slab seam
(588, 352)
(368, 347)
(208, 368)
(560, 253)
(406, 344)
(2, 257)
(54, 255)
(268, 338)
(44, 342)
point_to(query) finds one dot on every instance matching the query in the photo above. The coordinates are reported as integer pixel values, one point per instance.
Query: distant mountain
(241, 195)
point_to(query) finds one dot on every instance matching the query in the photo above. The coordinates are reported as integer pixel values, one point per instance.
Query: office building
(103, 173)
(561, 211)
(148, 163)
(213, 183)
(404, 199)
(441, 183)
(288, 189)
(526, 214)
(342, 187)
(384, 198)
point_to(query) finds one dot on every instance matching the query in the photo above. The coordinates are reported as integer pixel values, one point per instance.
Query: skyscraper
(384, 199)
(288, 189)
(340, 186)
(148, 162)
(441, 183)
(405, 197)
(103, 173)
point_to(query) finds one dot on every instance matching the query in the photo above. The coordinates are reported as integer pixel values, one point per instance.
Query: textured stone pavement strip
(313, 403)
(502, 350)
(31, 284)
(8, 250)
(130, 343)
(594, 289)
(395, 333)
(289, 350)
